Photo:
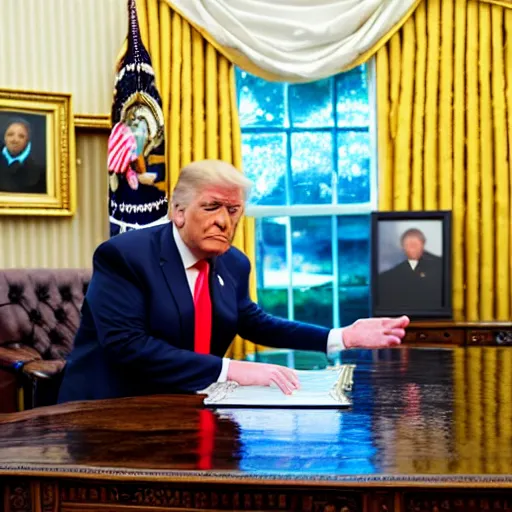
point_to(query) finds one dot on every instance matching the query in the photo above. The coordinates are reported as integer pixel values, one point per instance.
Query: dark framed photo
(37, 154)
(411, 264)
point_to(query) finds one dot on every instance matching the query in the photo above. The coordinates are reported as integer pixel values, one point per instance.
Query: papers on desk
(319, 389)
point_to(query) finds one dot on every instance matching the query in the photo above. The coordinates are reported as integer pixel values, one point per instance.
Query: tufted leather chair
(39, 316)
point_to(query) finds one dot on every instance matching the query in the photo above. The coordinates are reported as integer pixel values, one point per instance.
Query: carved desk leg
(17, 495)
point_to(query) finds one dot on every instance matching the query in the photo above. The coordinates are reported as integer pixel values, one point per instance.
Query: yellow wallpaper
(444, 86)
(63, 46)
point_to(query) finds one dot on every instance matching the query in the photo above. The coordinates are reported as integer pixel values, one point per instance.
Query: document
(319, 389)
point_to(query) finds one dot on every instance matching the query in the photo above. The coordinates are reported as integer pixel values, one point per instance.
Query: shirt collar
(188, 259)
(18, 158)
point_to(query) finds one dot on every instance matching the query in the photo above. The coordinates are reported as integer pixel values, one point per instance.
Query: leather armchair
(39, 316)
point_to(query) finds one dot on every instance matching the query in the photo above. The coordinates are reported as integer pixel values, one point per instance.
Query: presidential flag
(136, 145)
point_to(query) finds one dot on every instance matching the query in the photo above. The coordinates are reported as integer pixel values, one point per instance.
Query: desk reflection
(453, 412)
(415, 412)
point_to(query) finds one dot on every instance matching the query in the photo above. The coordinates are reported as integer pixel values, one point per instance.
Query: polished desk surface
(439, 416)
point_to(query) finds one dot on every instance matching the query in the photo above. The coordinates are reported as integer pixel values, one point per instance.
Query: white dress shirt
(334, 340)
(413, 263)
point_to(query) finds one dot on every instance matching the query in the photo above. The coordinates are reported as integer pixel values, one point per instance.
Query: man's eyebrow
(217, 202)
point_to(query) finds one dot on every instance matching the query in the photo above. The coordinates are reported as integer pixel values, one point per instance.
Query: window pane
(352, 106)
(312, 167)
(271, 265)
(353, 167)
(312, 269)
(311, 104)
(354, 267)
(264, 158)
(260, 103)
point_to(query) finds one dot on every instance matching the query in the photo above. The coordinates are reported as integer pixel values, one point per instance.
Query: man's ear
(178, 216)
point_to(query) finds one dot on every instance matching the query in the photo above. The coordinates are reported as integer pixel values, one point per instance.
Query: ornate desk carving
(430, 430)
(459, 333)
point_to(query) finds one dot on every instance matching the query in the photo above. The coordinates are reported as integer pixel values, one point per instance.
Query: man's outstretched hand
(263, 374)
(366, 333)
(375, 332)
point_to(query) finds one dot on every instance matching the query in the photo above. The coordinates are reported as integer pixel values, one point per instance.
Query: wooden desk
(430, 430)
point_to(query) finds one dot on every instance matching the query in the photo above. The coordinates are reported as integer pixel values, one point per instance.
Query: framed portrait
(411, 264)
(37, 154)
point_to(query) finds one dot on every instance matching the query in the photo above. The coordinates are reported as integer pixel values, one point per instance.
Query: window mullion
(301, 129)
(308, 210)
(335, 273)
(334, 142)
(334, 218)
(288, 123)
(372, 130)
(289, 267)
(289, 201)
(289, 262)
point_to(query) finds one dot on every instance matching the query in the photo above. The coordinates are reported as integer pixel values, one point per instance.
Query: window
(310, 151)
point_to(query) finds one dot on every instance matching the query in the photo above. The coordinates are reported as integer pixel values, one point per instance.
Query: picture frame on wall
(37, 154)
(411, 264)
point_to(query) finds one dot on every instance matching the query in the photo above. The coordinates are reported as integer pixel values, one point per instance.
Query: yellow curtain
(444, 88)
(503, 3)
(198, 90)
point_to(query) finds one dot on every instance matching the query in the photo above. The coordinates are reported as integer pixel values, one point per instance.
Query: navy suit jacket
(136, 335)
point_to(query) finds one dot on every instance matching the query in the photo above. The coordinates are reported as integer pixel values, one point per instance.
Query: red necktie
(203, 310)
(206, 439)
(202, 335)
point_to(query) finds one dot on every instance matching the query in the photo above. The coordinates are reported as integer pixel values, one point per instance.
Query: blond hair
(205, 173)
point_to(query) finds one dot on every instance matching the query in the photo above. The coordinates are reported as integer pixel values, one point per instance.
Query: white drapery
(297, 40)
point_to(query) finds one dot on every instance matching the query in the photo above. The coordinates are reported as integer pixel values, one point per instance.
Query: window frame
(299, 210)
(333, 210)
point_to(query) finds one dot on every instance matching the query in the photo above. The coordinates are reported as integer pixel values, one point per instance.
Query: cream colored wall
(63, 46)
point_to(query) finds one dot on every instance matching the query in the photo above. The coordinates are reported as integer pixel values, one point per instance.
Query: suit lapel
(214, 298)
(223, 303)
(176, 278)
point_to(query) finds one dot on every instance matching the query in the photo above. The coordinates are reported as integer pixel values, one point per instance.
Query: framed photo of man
(37, 154)
(411, 264)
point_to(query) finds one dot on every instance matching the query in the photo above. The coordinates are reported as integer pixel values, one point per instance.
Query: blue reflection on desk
(320, 441)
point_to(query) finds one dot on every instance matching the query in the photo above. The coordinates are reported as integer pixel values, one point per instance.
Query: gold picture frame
(37, 154)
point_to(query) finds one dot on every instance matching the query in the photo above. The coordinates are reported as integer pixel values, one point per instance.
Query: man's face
(208, 224)
(16, 138)
(413, 247)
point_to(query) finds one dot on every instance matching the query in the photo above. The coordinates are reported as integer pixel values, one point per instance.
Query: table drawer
(435, 336)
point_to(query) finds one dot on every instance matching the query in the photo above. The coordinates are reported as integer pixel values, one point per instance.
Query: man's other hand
(375, 332)
(262, 374)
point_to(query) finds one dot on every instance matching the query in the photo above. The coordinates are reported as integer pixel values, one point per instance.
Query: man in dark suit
(165, 302)
(19, 172)
(416, 282)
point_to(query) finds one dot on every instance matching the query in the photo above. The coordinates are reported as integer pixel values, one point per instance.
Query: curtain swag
(296, 40)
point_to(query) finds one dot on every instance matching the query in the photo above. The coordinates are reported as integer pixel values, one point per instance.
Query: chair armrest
(15, 356)
(44, 369)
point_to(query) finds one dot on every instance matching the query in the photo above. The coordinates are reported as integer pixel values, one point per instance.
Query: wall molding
(95, 122)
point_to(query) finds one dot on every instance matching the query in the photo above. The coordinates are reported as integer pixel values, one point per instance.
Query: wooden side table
(439, 333)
